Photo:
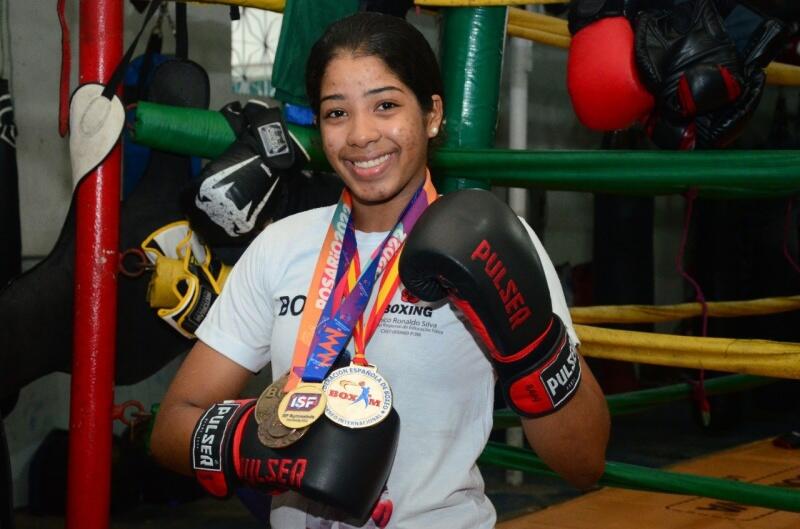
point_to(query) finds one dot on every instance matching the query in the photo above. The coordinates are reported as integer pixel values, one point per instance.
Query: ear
(434, 121)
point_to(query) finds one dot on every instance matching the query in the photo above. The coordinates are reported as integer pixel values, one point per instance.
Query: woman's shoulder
(304, 227)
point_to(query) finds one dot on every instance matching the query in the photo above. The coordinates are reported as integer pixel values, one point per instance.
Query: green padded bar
(180, 130)
(636, 401)
(717, 174)
(472, 56)
(635, 477)
(203, 133)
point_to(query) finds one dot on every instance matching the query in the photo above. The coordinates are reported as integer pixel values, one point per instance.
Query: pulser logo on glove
(515, 305)
(493, 274)
(559, 377)
(548, 387)
(273, 471)
(329, 464)
(211, 428)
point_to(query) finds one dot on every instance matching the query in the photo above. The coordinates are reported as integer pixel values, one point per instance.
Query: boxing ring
(471, 58)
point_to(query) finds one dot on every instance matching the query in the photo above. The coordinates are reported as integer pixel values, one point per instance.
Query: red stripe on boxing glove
(489, 267)
(533, 386)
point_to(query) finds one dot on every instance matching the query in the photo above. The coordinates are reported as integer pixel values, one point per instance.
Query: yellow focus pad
(162, 291)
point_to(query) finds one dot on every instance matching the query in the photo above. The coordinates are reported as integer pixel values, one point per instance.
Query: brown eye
(387, 105)
(333, 114)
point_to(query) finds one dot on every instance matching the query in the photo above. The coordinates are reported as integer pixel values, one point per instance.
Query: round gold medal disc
(267, 403)
(357, 396)
(271, 432)
(302, 406)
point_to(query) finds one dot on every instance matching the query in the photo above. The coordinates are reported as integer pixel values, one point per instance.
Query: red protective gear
(602, 79)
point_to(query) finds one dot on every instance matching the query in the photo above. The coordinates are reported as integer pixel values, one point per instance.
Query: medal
(269, 399)
(271, 432)
(357, 396)
(340, 290)
(302, 406)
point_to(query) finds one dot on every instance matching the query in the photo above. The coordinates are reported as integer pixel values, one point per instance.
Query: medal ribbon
(387, 288)
(336, 299)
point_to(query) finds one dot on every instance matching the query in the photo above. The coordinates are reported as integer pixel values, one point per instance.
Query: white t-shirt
(442, 382)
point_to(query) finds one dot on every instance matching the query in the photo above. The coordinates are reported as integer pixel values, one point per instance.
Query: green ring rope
(635, 477)
(717, 174)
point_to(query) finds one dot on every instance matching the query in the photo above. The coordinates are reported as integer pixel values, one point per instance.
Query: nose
(363, 130)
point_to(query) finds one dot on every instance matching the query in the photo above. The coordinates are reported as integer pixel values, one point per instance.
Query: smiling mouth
(369, 164)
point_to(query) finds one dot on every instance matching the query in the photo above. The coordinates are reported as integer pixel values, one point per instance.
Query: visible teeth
(371, 163)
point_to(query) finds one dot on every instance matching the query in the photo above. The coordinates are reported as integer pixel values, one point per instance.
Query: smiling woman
(378, 104)
(375, 134)
(382, 402)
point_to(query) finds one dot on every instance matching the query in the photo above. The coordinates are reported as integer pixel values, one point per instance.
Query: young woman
(375, 86)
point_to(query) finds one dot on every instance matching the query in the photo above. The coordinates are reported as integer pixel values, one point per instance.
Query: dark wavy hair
(397, 43)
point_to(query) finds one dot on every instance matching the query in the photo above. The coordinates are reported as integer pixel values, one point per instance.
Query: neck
(383, 216)
(376, 217)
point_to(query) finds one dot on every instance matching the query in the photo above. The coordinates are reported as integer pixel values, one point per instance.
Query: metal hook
(141, 265)
(118, 412)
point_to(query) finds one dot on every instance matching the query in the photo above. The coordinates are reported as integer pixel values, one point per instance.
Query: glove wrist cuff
(545, 386)
(212, 444)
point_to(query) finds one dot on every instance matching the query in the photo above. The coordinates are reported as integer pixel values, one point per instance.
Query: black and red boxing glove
(339, 467)
(470, 246)
(602, 79)
(705, 88)
(687, 59)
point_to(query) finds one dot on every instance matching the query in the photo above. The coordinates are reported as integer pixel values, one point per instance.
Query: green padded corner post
(472, 41)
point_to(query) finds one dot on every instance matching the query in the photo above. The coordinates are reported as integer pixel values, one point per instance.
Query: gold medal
(271, 432)
(302, 406)
(269, 399)
(357, 396)
(275, 435)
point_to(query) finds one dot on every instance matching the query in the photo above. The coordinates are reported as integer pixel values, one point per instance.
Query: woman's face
(374, 132)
